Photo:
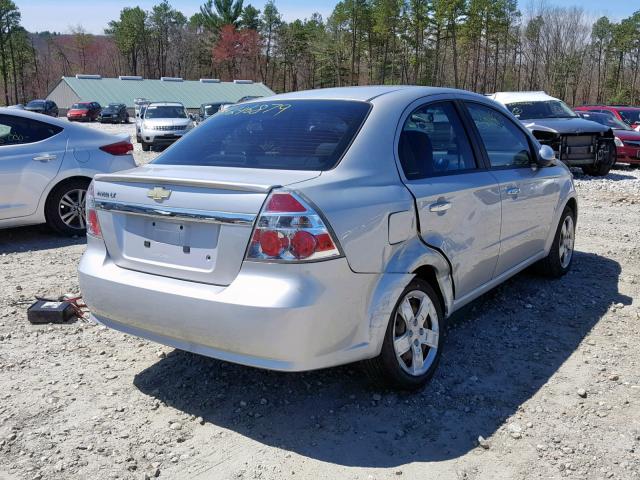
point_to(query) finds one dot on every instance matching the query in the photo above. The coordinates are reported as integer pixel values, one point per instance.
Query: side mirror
(546, 156)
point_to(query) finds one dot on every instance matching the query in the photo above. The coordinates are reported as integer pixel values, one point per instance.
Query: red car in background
(85, 111)
(628, 115)
(627, 140)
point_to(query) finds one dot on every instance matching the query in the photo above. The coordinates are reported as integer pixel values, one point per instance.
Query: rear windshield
(165, 111)
(296, 135)
(212, 108)
(35, 104)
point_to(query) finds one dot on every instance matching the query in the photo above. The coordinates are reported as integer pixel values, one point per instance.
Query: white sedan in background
(47, 164)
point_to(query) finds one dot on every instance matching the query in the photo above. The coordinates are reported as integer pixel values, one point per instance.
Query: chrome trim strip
(203, 216)
(156, 180)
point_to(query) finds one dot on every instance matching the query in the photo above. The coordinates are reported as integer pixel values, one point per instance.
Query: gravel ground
(540, 379)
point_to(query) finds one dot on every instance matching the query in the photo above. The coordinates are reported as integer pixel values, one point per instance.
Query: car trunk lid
(190, 223)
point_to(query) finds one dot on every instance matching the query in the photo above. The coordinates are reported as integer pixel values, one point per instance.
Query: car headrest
(416, 154)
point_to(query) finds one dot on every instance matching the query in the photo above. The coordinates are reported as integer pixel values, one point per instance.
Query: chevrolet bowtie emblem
(159, 194)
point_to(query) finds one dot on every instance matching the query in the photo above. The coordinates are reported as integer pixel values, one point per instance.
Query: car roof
(363, 93)
(33, 115)
(515, 97)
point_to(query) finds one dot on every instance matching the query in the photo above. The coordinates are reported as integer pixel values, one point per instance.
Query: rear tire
(145, 146)
(64, 209)
(558, 262)
(412, 346)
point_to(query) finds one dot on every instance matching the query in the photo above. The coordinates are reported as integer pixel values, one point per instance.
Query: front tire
(65, 209)
(600, 170)
(558, 262)
(146, 147)
(413, 340)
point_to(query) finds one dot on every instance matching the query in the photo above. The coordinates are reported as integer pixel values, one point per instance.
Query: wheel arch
(572, 203)
(57, 184)
(429, 274)
(413, 260)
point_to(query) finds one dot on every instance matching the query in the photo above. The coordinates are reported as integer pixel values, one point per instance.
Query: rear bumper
(274, 316)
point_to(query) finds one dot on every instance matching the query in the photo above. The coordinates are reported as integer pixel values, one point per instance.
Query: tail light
(119, 148)
(93, 224)
(289, 229)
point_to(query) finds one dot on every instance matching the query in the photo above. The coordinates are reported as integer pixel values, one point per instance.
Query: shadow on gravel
(38, 237)
(500, 350)
(614, 176)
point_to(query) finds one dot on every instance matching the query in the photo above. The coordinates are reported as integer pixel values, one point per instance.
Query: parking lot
(547, 373)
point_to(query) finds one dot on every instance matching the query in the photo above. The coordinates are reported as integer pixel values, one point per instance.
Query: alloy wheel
(71, 209)
(567, 238)
(416, 333)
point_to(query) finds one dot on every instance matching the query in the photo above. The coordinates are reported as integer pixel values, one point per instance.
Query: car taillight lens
(289, 229)
(119, 148)
(93, 224)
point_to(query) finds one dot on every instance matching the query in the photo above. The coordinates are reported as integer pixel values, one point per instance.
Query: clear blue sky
(93, 15)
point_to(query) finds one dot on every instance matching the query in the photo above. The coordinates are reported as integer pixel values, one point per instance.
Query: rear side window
(293, 135)
(506, 145)
(20, 130)
(433, 142)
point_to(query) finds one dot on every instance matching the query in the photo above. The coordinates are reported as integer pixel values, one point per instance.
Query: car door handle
(512, 192)
(440, 206)
(45, 158)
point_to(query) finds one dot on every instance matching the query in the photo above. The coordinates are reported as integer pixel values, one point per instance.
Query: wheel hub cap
(416, 333)
(566, 242)
(71, 209)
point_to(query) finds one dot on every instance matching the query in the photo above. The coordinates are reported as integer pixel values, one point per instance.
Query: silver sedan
(324, 227)
(47, 164)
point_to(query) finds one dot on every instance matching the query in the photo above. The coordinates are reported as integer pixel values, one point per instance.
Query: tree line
(479, 45)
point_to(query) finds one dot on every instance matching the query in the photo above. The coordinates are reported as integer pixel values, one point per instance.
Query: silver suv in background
(163, 123)
(324, 227)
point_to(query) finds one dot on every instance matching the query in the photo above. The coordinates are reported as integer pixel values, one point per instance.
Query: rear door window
(433, 142)
(293, 135)
(20, 130)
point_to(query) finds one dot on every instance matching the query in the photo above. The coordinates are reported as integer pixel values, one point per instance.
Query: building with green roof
(124, 89)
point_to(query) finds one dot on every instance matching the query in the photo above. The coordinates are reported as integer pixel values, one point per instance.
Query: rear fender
(400, 271)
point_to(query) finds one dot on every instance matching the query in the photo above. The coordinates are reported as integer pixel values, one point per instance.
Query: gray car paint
(360, 198)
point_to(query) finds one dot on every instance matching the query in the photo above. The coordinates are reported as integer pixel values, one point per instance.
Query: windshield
(111, 108)
(211, 109)
(165, 111)
(542, 109)
(81, 106)
(631, 116)
(35, 104)
(606, 120)
(296, 135)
